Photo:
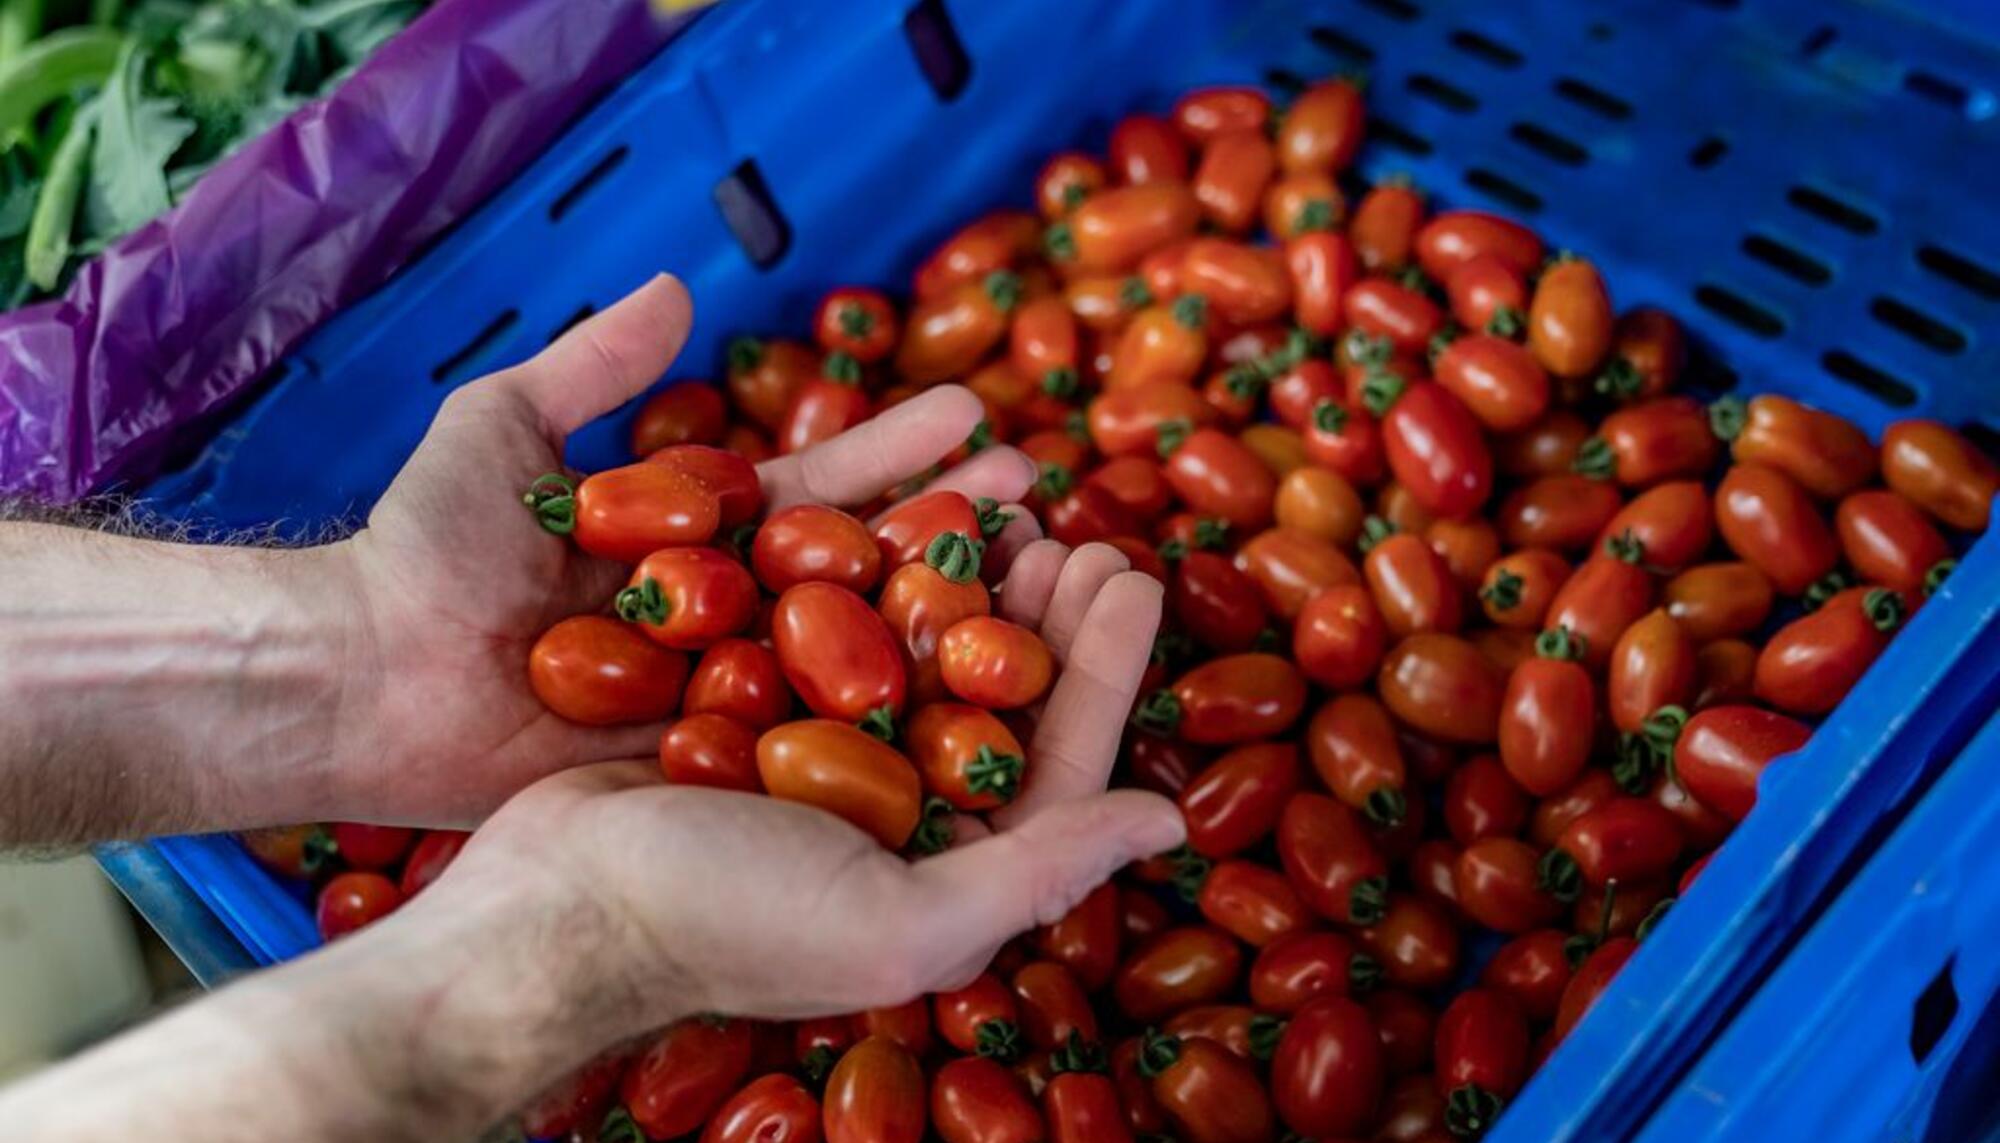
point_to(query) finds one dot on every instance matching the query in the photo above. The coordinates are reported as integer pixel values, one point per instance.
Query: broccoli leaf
(136, 135)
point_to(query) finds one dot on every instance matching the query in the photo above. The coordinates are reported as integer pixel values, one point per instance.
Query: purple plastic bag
(185, 313)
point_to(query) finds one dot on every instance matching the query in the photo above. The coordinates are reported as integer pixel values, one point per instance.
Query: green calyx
(1003, 289)
(955, 556)
(1055, 482)
(1160, 712)
(1625, 548)
(1412, 277)
(1330, 417)
(1076, 426)
(1135, 294)
(1470, 1111)
(1374, 530)
(1504, 593)
(1158, 1051)
(745, 354)
(1058, 243)
(1073, 195)
(1938, 573)
(1380, 390)
(619, 1127)
(880, 722)
(817, 1063)
(1363, 349)
(1727, 416)
(1191, 311)
(643, 602)
(935, 829)
(1244, 382)
(1558, 875)
(1636, 762)
(841, 368)
(1170, 647)
(1171, 435)
(991, 772)
(1507, 322)
(1314, 214)
(1172, 551)
(1368, 901)
(1654, 916)
(319, 849)
(1884, 609)
(1060, 382)
(998, 1040)
(1621, 381)
(1823, 589)
(1077, 1054)
(1442, 340)
(1364, 974)
(855, 320)
(992, 518)
(1595, 459)
(1191, 871)
(1577, 948)
(1562, 644)
(742, 538)
(553, 498)
(1265, 1032)
(980, 437)
(1210, 533)
(1269, 640)
(1385, 806)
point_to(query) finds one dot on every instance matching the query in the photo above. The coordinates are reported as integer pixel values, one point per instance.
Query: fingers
(877, 454)
(607, 359)
(1076, 742)
(1000, 472)
(975, 897)
(1012, 539)
(1031, 580)
(1088, 569)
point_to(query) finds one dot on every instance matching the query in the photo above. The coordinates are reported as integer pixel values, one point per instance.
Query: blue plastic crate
(1882, 1023)
(1806, 184)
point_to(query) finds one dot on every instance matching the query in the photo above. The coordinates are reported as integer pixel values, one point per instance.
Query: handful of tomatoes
(1479, 637)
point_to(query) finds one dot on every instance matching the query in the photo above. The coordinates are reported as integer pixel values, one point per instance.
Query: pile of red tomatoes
(1478, 636)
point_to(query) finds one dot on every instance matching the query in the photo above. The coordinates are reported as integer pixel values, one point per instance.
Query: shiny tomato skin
(1215, 475)
(1811, 663)
(1162, 764)
(1887, 539)
(1346, 438)
(1725, 672)
(773, 1108)
(1718, 600)
(1603, 597)
(1941, 472)
(1644, 444)
(1454, 237)
(1235, 699)
(1652, 666)
(965, 755)
(1162, 345)
(1416, 943)
(875, 1094)
(812, 542)
(1672, 523)
(1247, 1034)
(1702, 829)
(837, 653)
(1065, 181)
(1570, 319)
(1327, 1073)
(1532, 970)
(1435, 449)
(1086, 939)
(1330, 859)
(947, 335)
(1205, 112)
(1322, 129)
(1468, 548)
(1323, 268)
(907, 1025)
(1443, 687)
(995, 241)
(689, 412)
(1496, 882)
(1385, 224)
(1290, 568)
(1497, 379)
(1230, 179)
(1115, 228)
(1292, 970)
(1592, 977)
(1216, 602)
(1053, 1005)
(594, 670)
(1564, 512)
(904, 533)
(919, 605)
(982, 1018)
(689, 598)
(974, 1100)
(1143, 1114)
(1211, 1095)
(1083, 1107)
(434, 853)
(1826, 453)
(857, 321)
(1043, 345)
(694, 1065)
(1626, 840)
(370, 846)
(821, 409)
(1321, 503)
(1136, 482)
(1413, 586)
(625, 514)
(1147, 149)
(847, 772)
(352, 900)
(1546, 448)
(763, 376)
(1482, 800)
(1353, 748)
(1300, 203)
(1090, 514)
(1518, 587)
(1386, 309)
(1180, 968)
(1482, 1042)
(1251, 902)
(1488, 295)
(1768, 519)
(711, 750)
(1339, 636)
(1236, 802)
(740, 680)
(993, 663)
(1128, 422)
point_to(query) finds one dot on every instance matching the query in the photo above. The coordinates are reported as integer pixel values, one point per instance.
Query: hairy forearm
(432, 1025)
(148, 687)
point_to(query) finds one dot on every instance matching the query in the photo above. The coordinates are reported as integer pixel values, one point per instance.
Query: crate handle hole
(1445, 95)
(1483, 47)
(599, 171)
(1708, 152)
(1559, 148)
(1829, 208)
(940, 54)
(1739, 310)
(1960, 270)
(572, 321)
(1593, 99)
(753, 215)
(1343, 45)
(1884, 386)
(1503, 189)
(1402, 10)
(1788, 260)
(1917, 325)
(452, 368)
(1933, 1013)
(1394, 135)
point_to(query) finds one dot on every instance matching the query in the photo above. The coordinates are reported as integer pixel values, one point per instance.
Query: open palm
(456, 582)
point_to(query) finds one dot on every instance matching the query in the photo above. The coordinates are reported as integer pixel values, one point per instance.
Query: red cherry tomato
(769, 1109)
(1236, 698)
(1811, 663)
(711, 750)
(947, 335)
(1086, 939)
(575, 1107)
(1482, 1058)
(1517, 588)
(1147, 149)
(824, 407)
(1442, 686)
(1292, 970)
(763, 375)
(844, 771)
(1413, 586)
(1564, 512)
(994, 663)
(1353, 748)
(435, 852)
(1725, 672)
(1345, 438)
(626, 514)
(1888, 540)
(1941, 472)
(1217, 603)
(679, 1082)
(975, 1100)
(1532, 970)
(740, 680)
(1178, 969)
(1641, 445)
(1498, 380)
(1382, 308)
(813, 543)
(1129, 421)
(1385, 224)
(1327, 1073)
(874, 1095)
(1606, 594)
(1143, 1113)
(1548, 447)
(1083, 1107)
(838, 654)
(352, 900)
(1652, 667)
(1340, 636)
(1229, 181)
(1290, 568)
(687, 412)
(1434, 448)
(370, 846)
(1827, 454)
(1489, 296)
(1323, 268)
(1624, 840)
(905, 533)
(1065, 181)
(1236, 801)
(600, 672)
(1497, 886)
(1054, 1006)
(991, 242)
(688, 598)
(1570, 319)
(1768, 519)
(1718, 600)
(1253, 903)
(1455, 237)
(1416, 942)
(1210, 1095)
(1215, 475)
(1482, 800)
(857, 321)
(1115, 228)
(1671, 524)
(1206, 112)
(1647, 355)
(1322, 129)
(965, 755)
(1592, 977)
(1161, 764)
(1330, 859)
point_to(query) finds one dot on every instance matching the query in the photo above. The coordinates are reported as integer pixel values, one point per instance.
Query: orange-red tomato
(1652, 666)
(628, 513)
(1497, 886)
(674, 1087)
(1244, 284)
(1339, 637)
(838, 654)
(1888, 540)
(1827, 454)
(1647, 356)
(686, 412)
(1671, 523)
(857, 321)
(1291, 567)
(1206, 112)
(1385, 224)
(1043, 345)
(995, 241)
(1413, 586)
(875, 1094)
(1434, 447)
(1811, 663)
(1548, 716)
(1625, 840)
(1497, 379)
(1941, 472)
(1147, 149)
(1722, 751)
(711, 750)
(1592, 977)
(1229, 181)
(1488, 295)
(1718, 600)
(1215, 475)
(1163, 345)
(688, 598)
(740, 680)
(1643, 444)
(1252, 902)
(1086, 939)
(1322, 129)
(600, 672)
(1291, 971)
(769, 1109)
(1518, 587)
(1066, 180)
(1416, 943)
(1564, 512)
(1180, 968)
(1053, 1005)
(1345, 437)
(1330, 859)
(1570, 319)
(908, 530)
(1323, 270)
(1353, 748)
(1454, 237)
(1605, 595)
(1482, 800)
(965, 755)
(1210, 1094)
(1236, 801)
(1327, 1072)
(1236, 698)
(1442, 686)
(1115, 228)
(1768, 519)
(1319, 502)
(920, 604)
(948, 334)
(763, 375)
(844, 771)
(1383, 308)
(994, 663)
(1548, 447)
(1128, 422)
(1725, 672)
(1301, 203)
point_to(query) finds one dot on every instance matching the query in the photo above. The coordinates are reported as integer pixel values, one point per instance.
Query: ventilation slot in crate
(1828, 208)
(1550, 145)
(1788, 260)
(1445, 95)
(599, 171)
(1285, 80)
(1593, 99)
(1960, 270)
(1486, 48)
(1402, 10)
(456, 367)
(1502, 189)
(1708, 152)
(1887, 387)
(1916, 325)
(940, 53)
(1343, 45)
(1739, 311)
(582, 313)
(1397, 137)
(753, 215)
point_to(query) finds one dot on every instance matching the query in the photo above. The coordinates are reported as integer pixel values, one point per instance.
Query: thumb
(607, 359)
(982, 894)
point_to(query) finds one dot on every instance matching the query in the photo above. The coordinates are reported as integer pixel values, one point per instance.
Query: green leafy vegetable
(54, 220)
(136, 135)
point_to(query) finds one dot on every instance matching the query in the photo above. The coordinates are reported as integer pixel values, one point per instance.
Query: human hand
(454, 581)
(678, 899)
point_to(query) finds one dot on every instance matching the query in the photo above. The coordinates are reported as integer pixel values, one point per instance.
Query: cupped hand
(454, 581)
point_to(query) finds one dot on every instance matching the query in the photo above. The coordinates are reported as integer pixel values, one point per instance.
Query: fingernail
(1160, 831)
